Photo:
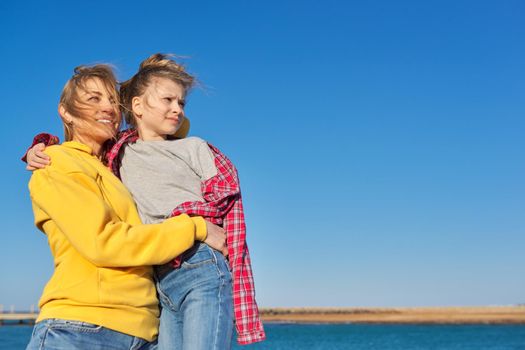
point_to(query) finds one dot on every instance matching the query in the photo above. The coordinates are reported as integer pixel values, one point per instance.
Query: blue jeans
(58, 334)
(196, 302)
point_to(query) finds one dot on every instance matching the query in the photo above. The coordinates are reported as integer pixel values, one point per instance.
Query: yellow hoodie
(102, 253)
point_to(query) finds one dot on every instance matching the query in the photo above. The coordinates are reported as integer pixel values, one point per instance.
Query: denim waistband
(162, 270)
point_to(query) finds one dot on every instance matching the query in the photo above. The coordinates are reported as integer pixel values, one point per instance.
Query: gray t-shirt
(163, 174)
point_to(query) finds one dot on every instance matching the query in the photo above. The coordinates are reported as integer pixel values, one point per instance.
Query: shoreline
(402, 315)
(465, 315)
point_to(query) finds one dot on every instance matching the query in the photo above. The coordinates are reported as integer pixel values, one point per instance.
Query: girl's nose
(176, 108)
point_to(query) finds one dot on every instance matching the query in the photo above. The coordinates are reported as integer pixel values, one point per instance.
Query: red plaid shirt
(222, 206)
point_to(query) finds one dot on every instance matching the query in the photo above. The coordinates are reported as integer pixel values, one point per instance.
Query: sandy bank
(422, 315)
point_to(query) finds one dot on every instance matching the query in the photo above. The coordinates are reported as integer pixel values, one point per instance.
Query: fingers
(41, 155)
(36, 158)
(219, 230)
(39, 152)
(216, 238)
(39, 146)
(38, 162)
(224, 248)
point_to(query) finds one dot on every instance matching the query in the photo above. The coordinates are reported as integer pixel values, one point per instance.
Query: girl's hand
(36, 158)
(216, 238)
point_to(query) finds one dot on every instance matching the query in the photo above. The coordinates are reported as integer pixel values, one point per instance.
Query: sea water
(357, 337)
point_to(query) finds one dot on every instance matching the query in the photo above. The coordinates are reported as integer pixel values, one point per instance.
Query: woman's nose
(107, 106)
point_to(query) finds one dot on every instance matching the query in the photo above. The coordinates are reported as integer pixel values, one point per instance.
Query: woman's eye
(94, 99)
(167, 99)
(182, 103)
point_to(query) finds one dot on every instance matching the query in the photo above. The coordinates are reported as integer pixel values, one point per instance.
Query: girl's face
(100, 117)
(159, 112)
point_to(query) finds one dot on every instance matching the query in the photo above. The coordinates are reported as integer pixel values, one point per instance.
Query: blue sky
(380, 144)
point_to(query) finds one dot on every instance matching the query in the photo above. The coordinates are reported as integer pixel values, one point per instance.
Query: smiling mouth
(108, 121)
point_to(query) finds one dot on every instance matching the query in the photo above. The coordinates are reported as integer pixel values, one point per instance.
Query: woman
(101, 294)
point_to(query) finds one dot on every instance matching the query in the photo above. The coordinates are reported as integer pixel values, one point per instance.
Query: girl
(102, 290)
(162, 173)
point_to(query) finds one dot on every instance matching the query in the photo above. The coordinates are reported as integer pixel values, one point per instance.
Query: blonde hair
(70, 100)
(156, 66)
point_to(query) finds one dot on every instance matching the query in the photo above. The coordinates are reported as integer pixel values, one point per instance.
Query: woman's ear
(66, 117)
(137, 106)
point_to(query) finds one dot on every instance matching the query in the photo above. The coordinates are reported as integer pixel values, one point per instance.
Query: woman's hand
(216, 238)
(36, 158)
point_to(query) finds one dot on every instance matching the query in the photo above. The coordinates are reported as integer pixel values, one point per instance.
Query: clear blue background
(380, 143)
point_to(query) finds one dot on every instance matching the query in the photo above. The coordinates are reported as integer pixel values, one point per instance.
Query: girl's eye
(167, 99)
(94, 99)
(182, 103)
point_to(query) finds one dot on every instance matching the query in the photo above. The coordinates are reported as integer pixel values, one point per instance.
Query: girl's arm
(34, 156)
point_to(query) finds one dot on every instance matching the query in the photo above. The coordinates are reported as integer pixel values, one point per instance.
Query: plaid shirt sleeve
(223, 206)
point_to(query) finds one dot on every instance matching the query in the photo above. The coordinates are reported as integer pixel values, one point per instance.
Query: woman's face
(100, 113)
(159, 112)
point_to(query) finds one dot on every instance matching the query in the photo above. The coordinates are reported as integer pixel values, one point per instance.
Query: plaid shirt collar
(113, 155)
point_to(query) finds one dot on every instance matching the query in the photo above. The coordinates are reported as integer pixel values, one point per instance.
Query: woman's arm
(37, 159)
(73, 204)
